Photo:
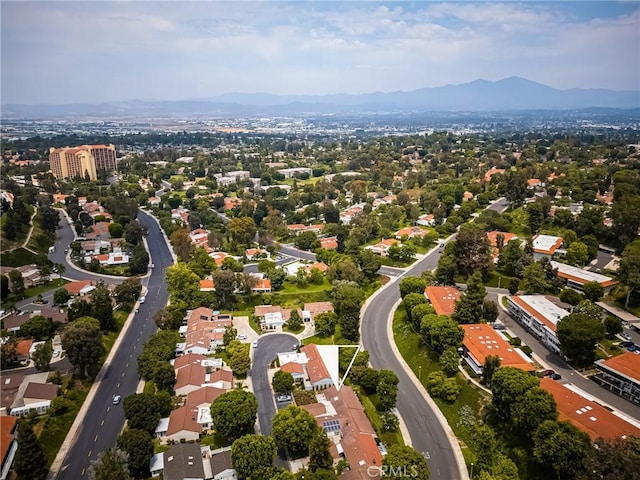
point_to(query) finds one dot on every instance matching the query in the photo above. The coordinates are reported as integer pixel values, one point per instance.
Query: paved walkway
(26, 240)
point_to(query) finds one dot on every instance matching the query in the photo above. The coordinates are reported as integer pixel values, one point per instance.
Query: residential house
(298, 228)
(8, 444)
(621, 375)
(627, 318)
(493, 240)
(587, 415)
(271, 316)
(539, 315)
(329, 243)
(295, 369)
(79, 288)
(263, 285)
(491, 172)
(427, 220)
(443, 299)
(154, 201)
(183, 425)
(205, 330)
(382, 247)
(293, 172)
(351, 212)
(340, 414)
(411, 232)
(193, 462)
(312, 309)
(34, 394)
(256, 254)
(481, 340)
(317, 372)
(575, 277)
(546, 246)
(30, 275)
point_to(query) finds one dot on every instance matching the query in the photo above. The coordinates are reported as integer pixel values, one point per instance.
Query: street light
(420, 372)
(471, 471)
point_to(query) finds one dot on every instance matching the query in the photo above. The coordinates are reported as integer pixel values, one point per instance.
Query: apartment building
(82, 161)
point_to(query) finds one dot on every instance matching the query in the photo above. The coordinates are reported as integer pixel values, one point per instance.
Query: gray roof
(220, 462)
(183, 460)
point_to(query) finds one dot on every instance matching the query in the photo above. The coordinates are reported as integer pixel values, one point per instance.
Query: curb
(453, 440)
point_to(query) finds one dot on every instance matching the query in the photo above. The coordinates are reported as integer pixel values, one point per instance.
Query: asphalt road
(427, 434)
(268, 347)
(104, 421)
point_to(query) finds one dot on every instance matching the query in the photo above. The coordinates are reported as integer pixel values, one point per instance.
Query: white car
(255, 344)
(241, 337)
(117, 399)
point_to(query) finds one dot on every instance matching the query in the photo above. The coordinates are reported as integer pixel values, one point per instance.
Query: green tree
(472, 250)
(164, 377)
(138, 445)
(629, 271)
(129, 290)
(293, 428)
(536, 216)
(446, 270)
(182, 244)
(325, 324)
(201, 263)
(485, 443)
(411, 301)
(625, 214)
(230, 334)
(38, 327)
(61, 296)
(491, 364)
(30, 461)
(577, 254)
(234, 413)
(82, 342)
(613, 459)
(116, 230)
(239, 359)
(562, 446)
(412, 285)
(420, 311)
(368, 379)
(142, 412)
(593, 291)
(295, 322)
(102, 307)
(347, 299)
(319, 453)
(534, 279)
(369, 263)
(508, 385)
(402, 461)
(578, 335)
(441, 332)
(225, 283)
(571, 296)
(449, 361)
(443, 387)
(250, 453)
(182, 283)
(4, 287)
(112, 464)
(613, 326)
(470, 307)
(387, 389)
(307, 241)
(42, 356)
(17, 284)
(282, 382)
(533, 408)
(242, 230)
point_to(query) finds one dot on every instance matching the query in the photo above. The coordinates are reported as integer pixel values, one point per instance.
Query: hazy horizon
(89, 52)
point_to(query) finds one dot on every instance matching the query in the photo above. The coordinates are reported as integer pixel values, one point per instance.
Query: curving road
(427, 434)
(104, 421)
(268, 347)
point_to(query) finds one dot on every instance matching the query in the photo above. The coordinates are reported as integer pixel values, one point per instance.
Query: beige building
(82, 161)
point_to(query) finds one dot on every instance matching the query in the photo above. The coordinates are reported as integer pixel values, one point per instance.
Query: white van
(142, 299)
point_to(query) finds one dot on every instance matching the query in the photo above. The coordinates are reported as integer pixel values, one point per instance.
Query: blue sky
(63, 52)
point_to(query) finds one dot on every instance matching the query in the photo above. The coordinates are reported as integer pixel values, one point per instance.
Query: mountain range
(510, 94)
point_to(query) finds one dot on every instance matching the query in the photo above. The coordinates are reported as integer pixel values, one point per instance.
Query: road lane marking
(108, 408)
(118, 386)
(82, 474)
(101, 424)
(127, 365)
(89, 454)
(95, 439)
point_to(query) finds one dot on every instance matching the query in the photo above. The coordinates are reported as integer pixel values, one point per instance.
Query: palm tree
(59, 268)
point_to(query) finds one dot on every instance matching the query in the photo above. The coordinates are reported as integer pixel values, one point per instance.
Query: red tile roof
(7, 429)
(292, 367)
(183, 418)
(316, 369)
(443, 299)
(628, 364)
(586, 415)
(481, 340)
(204, 395)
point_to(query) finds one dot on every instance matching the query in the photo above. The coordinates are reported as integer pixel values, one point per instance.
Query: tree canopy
(234, 413)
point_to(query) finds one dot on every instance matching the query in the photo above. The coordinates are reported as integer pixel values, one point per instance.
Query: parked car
(626, 344)
(626, 336)
(283, 398)
(556, 376)
(294, 347)
(547, 373)
(255, 344)
(241, 337)
(633, 348)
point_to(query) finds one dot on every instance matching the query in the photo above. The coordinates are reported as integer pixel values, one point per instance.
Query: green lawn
(498, 280)
(215, 441)
(422, 362)
(335, 339)
(52, 430)
(110, 338)
(293, 288)
(289, 330)
(369, 403)
(18, 257)
(53, 284)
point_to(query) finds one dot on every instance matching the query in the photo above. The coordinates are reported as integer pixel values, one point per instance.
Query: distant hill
(510, 94)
